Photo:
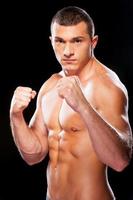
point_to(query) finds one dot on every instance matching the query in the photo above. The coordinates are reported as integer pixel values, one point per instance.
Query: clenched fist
(69, 88)
(21, 99)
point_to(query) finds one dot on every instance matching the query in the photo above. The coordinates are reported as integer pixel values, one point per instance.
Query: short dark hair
(73, 15)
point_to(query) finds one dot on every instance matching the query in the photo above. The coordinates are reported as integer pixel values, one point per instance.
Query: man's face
(72, 46)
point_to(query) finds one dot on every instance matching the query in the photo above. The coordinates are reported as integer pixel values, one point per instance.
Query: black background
(27, 59)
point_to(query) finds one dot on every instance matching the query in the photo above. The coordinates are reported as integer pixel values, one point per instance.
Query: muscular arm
(108, 127)
(31, 140)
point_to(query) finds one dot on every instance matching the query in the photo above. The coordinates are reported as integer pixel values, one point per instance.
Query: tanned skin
(81, 120)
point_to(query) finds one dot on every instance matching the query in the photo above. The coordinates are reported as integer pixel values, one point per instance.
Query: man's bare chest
(58, 114)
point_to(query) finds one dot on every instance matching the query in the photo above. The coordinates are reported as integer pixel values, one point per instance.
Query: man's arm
(109, 130)
(31, 140)
(108, 127)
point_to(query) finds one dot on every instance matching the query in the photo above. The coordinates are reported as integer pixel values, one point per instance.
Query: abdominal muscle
(74, 172)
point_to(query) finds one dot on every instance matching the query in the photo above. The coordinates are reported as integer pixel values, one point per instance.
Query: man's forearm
(24, 138)
(107, 143)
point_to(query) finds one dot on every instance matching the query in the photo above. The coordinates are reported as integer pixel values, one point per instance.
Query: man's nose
(68, 50)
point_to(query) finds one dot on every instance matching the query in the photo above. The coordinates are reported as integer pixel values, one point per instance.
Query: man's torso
(74, 170)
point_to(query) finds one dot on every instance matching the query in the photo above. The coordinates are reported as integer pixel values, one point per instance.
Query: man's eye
(78, 41)
(59, 41)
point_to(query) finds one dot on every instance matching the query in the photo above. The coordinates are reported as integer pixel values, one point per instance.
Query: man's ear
(51, 40)
(94, 41)
(50, 37)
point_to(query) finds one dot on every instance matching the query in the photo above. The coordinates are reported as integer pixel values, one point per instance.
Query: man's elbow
(31, 162)
(33, 159)
(122, 163)
(120, 166)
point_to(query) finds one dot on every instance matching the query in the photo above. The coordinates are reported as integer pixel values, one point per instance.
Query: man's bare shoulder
(109, 80)
(109, 90)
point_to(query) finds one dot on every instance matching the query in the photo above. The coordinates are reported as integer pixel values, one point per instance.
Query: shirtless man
(81, 117)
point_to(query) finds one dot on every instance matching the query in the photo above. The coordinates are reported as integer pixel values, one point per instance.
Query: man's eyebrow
(74, 38)
(78, 37)
(58, 38)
